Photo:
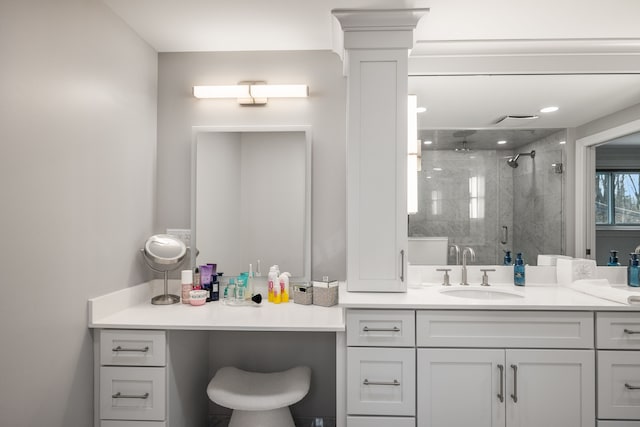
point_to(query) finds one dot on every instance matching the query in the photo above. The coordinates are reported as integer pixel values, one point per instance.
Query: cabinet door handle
(631, 387)
(393, 383)
(514, 395)
(368, 329)
(141, 350)
(119, 395)
(631, 332)
(402, 265)
(501, 394)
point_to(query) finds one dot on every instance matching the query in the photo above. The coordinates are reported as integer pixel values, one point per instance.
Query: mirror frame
(585, 173)
(196, 130)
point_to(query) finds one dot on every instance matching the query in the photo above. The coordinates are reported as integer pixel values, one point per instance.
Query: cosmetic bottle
(249, 291)
(518, 271)
(507, 258)
(196, 279)
(215, 286)
(284, 286)
(187, 285)
(272, 280)
(633, 272)
(613, 259)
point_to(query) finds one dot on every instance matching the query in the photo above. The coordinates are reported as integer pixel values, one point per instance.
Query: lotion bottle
(518, 271)
(272, 280)
(284, 286)
(187, 285)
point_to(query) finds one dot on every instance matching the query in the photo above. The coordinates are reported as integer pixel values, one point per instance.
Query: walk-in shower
(513, 161)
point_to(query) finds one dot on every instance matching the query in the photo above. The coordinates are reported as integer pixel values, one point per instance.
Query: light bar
(251, 92)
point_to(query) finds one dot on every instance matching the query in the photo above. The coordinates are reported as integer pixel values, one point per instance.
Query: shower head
(513, 161)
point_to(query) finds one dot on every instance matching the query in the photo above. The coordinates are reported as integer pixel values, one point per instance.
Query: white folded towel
(601, 288)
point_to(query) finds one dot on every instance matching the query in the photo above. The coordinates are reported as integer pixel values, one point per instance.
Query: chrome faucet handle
(445, 279)
(485, 276)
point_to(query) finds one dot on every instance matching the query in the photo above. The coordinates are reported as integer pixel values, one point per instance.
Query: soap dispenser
(633, 272)
(613, 259)
(507, 258)
(518, 271)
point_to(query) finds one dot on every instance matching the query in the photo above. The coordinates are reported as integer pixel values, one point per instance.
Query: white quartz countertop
(530, 297)
(131, 308)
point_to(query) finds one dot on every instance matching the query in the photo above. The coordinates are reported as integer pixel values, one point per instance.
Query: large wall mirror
(251, 198)
(471, 191)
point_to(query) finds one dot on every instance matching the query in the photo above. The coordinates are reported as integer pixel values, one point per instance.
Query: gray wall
(324, 110)
(77, 166)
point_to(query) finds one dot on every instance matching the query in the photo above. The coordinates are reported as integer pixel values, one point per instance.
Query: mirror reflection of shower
(513, 161)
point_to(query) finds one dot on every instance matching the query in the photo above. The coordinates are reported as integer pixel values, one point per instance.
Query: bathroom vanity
(548, 356)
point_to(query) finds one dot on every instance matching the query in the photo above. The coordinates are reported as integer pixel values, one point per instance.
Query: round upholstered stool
(257, 399)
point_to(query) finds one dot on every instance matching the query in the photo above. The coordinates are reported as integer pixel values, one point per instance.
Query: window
(618, 197)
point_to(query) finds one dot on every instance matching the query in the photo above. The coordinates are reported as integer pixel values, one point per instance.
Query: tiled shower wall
(476, 194)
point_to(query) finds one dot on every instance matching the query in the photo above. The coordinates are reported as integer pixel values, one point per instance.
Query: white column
(376, 49)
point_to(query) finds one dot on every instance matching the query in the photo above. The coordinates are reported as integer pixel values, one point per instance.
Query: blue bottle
(507, 258)
(518, 271)
(613, 259)
(633, 273)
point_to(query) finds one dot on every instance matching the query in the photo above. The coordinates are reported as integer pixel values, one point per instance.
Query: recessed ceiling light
(421, 109)
(428, 142)
(548, 109)
(437, 169)
(502, 142)
(428, 177)
(563, 142)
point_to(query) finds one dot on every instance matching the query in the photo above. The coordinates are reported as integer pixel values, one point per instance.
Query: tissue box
(325, 293)
(570, 270)
(303, 294)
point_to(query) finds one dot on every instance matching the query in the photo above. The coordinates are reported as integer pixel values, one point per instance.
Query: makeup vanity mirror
(469, 189)
(251, 198)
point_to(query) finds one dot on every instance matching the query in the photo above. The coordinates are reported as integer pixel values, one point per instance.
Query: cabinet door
(461, 388)
(377, 170)
(551, 388)
(381, 381)
(619, 385)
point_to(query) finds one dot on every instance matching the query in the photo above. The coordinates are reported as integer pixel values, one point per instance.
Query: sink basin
(482, 294)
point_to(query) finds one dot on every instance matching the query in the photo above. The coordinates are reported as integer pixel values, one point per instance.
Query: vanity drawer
(111, 423)
(381, 328)
(618, 330)
(381, 422)
(618, 377)
(132, 348)
(548, 329)
(131, 393)
(381, 381)
(618, 423)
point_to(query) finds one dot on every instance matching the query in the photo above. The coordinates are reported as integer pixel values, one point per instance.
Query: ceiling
(545, 30)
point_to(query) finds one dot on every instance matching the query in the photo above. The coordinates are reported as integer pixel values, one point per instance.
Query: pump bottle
(518, 271)
(633, 271)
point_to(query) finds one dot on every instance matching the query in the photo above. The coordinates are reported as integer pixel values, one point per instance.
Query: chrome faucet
(455, 249)
(472, 255)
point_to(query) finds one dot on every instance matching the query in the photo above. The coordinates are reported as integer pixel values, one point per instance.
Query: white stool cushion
(253, 391)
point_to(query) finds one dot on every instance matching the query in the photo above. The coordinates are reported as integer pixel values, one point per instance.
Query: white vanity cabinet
(381, 368)
(529, 369)
(132, 378)
(618, 343)
(150, 378)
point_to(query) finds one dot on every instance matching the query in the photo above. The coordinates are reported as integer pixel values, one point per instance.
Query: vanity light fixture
(551, 109)
(251, 93)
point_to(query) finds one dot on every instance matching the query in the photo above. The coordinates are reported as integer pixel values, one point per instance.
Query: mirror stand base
(165, 299)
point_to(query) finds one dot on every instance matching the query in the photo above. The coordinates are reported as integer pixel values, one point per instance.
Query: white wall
(77, 166)
(324, 110)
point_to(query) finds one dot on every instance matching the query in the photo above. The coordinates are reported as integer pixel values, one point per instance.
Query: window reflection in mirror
(617, 198)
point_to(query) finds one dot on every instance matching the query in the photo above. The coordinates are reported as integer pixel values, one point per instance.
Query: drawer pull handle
(631, 387)
(501, 394)
(119, 395)
(394, 383)
(368, 329)
(514, 396)
(141, 350)
(630, 332)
